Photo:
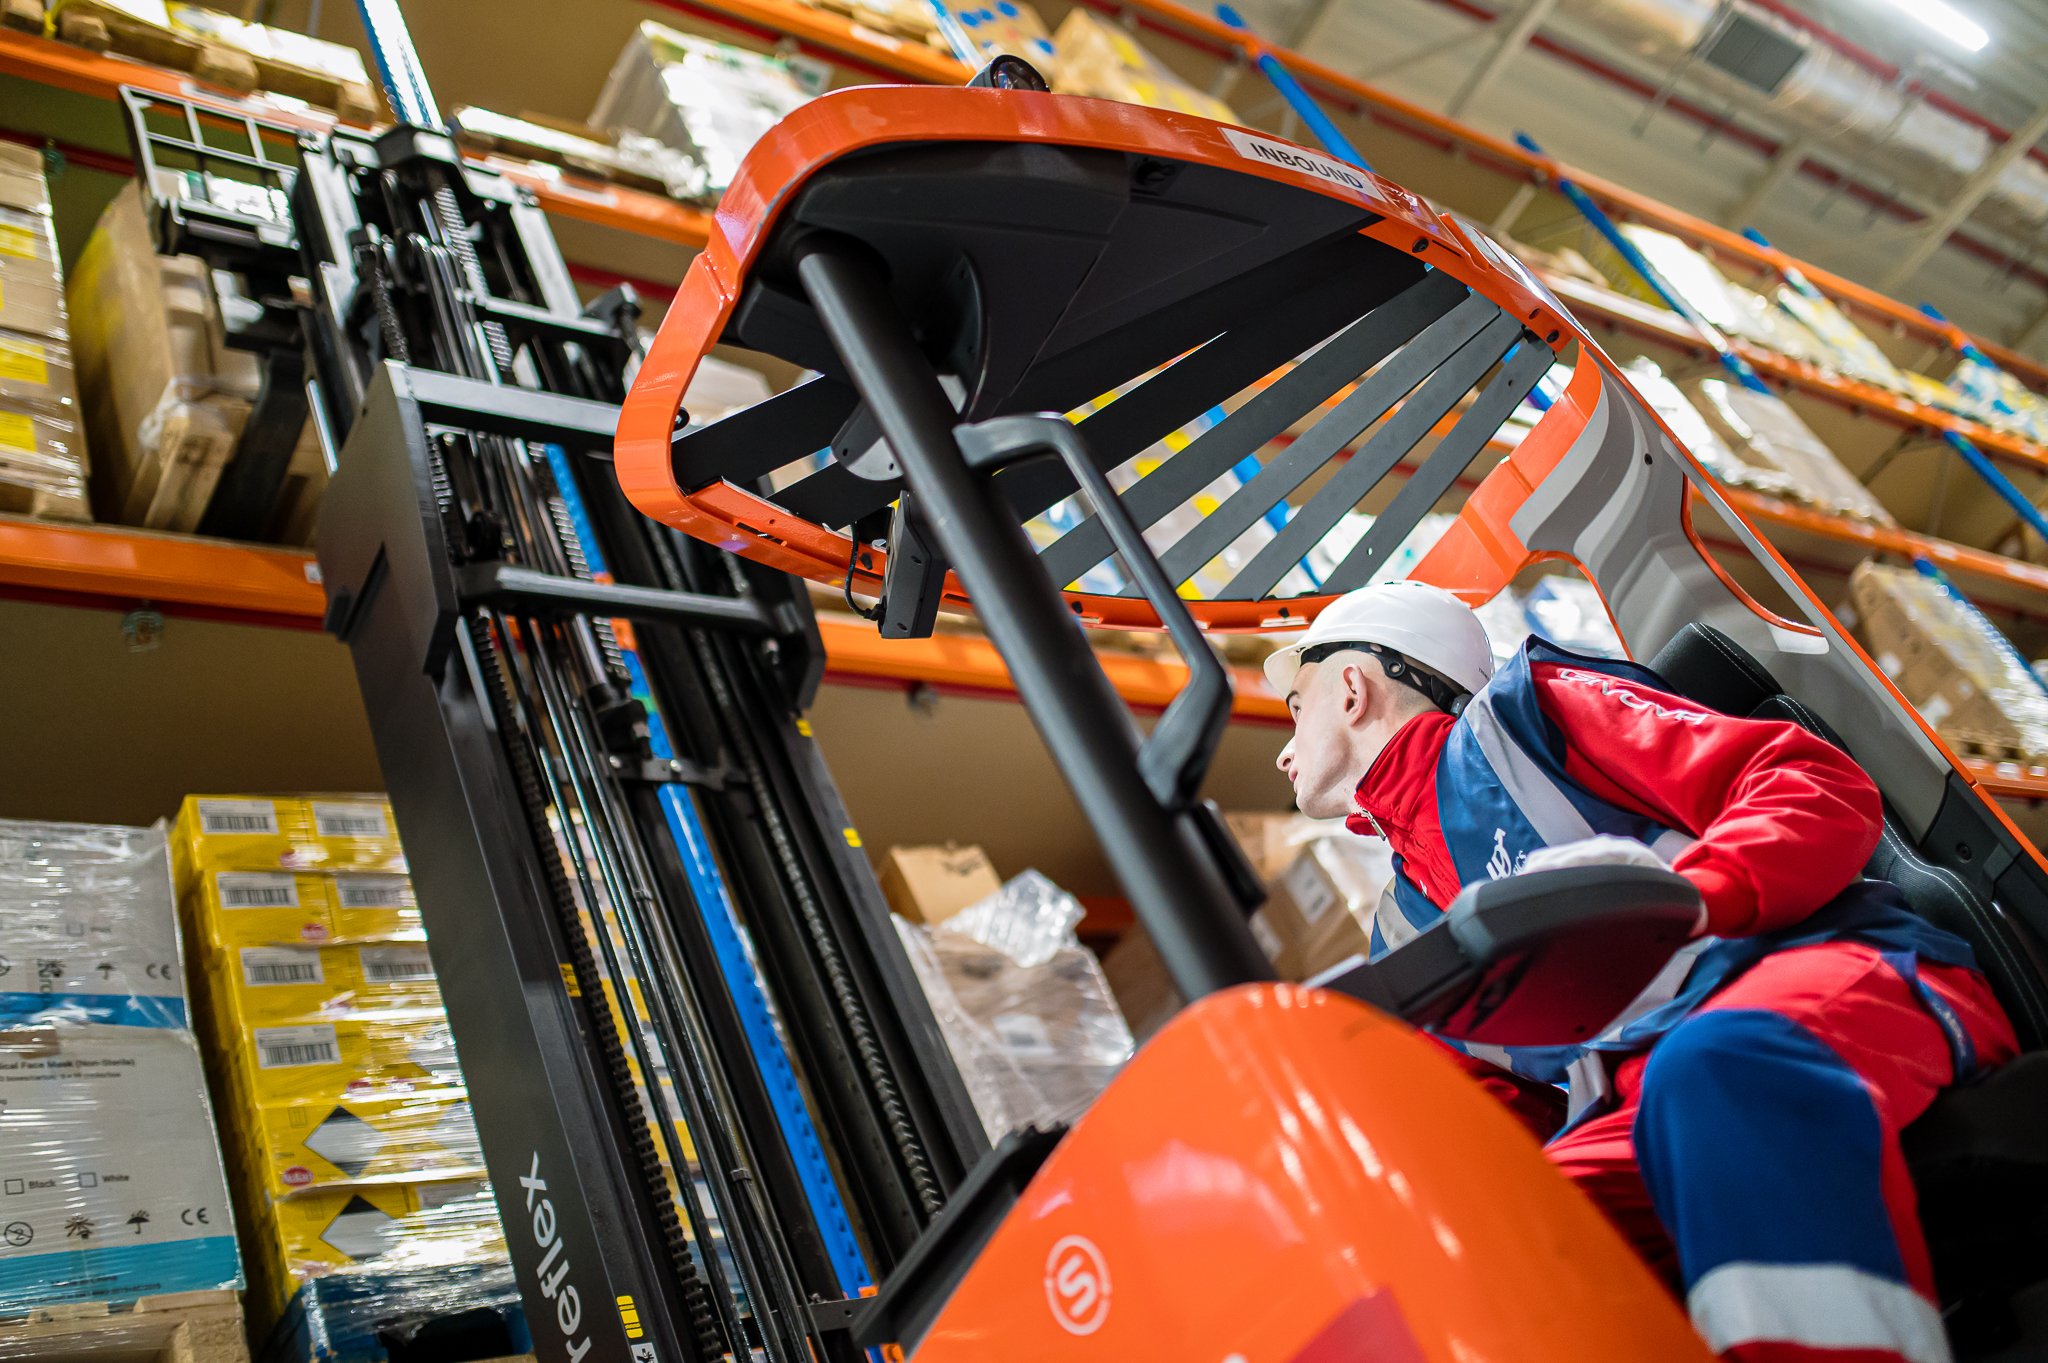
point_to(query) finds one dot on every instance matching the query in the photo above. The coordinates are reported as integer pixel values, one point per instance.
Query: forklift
(719, 1116)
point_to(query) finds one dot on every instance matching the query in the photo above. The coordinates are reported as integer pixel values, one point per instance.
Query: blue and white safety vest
(1502, 793)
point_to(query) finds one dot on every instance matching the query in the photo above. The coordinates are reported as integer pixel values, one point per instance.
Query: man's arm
(1784, 820)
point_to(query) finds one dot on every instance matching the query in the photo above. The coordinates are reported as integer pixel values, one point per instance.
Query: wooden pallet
(183, 1327)
(102, 28)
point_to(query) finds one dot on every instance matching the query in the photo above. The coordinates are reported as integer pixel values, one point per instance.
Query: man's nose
(1285, 761)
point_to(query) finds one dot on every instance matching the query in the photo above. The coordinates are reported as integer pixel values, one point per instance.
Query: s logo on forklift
(1077, 1285)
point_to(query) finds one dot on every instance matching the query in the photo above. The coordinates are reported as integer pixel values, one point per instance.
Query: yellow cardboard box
(400, 1138)
(450, 1221)
(285, 833)
(329, 1058)
(265, 984)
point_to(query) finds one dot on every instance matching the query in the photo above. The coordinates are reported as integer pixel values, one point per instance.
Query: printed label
(257, 890)
(386, 965)
(373, 892)
(17, 431)
(1299, 159)
(22, 242)
(1023, 1033)
(1311, 894)
(287, 1047)
(349, 821)
(219, 817)
(281, 965)
(24, 362)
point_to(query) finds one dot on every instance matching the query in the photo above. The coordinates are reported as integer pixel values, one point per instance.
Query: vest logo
(1608, 686)
(1077, 1285)
(1503, 863)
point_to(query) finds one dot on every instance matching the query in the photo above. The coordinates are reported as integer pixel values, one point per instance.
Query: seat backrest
(1706, 666)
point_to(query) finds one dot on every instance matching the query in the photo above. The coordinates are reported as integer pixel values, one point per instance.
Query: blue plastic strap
(1298, 98)
(398, 64)
(707, 888)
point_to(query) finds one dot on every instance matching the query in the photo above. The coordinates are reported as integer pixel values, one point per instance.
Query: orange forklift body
(1283, 1175)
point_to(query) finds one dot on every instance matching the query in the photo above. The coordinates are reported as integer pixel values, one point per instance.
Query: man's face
(1321, 759)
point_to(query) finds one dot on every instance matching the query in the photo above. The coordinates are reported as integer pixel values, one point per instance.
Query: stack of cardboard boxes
(110, 1175)
(1324, 887)
(42, 450)
(1098, 58)
(1950, 661)
(167, 397)
(350, 1139)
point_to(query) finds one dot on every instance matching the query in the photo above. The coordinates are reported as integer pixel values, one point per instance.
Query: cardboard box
(1330, 876)
(1098, 58)
(116, 1189)
(229, 909)
(1763, 430)
(314, 1059)
(22, 185)
(1264, 836)
(1948, 661)
(42, 465)
(353, 833)
(294, 983)
(165, 406)
(367, 1140)
(1138, 979)
(931, 884)
(88, 926)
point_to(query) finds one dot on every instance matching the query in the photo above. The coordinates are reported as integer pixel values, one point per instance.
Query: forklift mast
(714, 1105)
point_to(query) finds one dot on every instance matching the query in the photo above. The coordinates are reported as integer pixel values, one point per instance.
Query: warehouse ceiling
(1853, 164)
(1885, 136)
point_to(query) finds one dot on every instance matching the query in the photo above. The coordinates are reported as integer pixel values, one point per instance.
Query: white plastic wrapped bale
(88, 926)
(1670, 403)
(1765, 430)
(110, 1174)
(698, 96)
(1024, 1006)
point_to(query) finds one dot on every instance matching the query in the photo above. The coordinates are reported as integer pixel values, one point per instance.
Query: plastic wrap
(346, 1317)
(1951, 662)
(1568, 611)
(703, 98)
(1764, 430)
(352, 1140)
(1669, 402)
(1035, 1042)
(88, 926)
(110, 1180)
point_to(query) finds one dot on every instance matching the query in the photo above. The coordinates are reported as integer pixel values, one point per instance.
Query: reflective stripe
(1549, 811)
(1669, 844)
(1821, 1306)
(1391, 923)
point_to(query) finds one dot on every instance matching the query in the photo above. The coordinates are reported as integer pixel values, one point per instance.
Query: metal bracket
(656, 771)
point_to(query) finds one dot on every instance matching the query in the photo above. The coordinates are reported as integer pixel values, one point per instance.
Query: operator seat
(1978, 1156)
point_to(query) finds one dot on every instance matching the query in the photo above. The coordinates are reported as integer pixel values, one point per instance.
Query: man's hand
(1602, 850)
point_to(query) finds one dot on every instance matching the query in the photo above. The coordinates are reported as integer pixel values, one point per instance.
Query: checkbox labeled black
(16, 1185)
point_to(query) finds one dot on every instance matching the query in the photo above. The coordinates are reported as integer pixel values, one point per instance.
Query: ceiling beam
(1781, 168)
(1511, 41)
(1967, 197)
(1311, 26)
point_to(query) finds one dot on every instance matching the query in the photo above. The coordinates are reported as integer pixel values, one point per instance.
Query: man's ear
(1358, 694)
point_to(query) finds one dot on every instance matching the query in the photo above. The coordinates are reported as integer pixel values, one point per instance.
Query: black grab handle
(1176, 757)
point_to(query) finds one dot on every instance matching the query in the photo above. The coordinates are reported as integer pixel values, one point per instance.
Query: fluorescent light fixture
(1945, 19)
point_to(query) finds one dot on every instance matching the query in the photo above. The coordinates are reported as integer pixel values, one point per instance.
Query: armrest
(1547, 958)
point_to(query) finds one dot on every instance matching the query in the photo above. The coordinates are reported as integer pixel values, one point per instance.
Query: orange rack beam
(142, 566)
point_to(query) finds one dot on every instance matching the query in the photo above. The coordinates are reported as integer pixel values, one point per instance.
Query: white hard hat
(1425, 624)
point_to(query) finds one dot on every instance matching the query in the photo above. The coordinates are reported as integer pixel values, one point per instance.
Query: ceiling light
(1945, 19)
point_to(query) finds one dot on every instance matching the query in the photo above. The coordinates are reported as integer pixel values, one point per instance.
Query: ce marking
(193, 1216)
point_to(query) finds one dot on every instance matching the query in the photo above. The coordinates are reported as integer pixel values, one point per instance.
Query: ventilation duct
(1762, 63)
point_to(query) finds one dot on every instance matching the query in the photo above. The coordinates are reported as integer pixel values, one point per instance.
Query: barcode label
(349, 821)
(384, 965)
(280, 965)
(374, 892)
(218, 817)
(256, 890)
(285, 1047)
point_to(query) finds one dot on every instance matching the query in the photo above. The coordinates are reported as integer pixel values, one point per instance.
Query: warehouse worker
(1743, 1132)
